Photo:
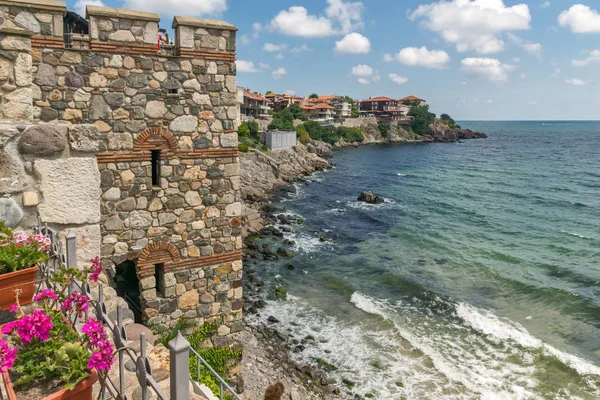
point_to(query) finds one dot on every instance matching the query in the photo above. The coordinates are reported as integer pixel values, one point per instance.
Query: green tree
(313, 96)
(282, 120)
(243, 129)
(351, 135)
(298, 112)
(355, 113)
(422, 118)
(253, 128)
(302, 134)
(330, 134)
(447, 119)
(383, 129)
(314, 129)
(268, 92)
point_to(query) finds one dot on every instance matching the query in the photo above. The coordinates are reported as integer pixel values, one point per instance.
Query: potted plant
(19, 256)
(43, 357)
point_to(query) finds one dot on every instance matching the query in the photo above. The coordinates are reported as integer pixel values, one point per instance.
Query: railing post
(179, 351)
(71, 254)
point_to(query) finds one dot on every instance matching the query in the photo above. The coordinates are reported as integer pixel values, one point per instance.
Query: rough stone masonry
(130, 146)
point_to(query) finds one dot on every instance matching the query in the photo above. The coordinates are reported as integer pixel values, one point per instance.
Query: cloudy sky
(474, 59)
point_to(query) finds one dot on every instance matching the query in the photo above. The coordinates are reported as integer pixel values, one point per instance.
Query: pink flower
(46, 294)
(37, 325)
(76, 302)
(102, 350)
(13, 307)
(96, 269)
(7, 356)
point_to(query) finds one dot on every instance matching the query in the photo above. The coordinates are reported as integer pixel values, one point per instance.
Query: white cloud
(290, 92)
(362, 70)
(300, 49)
(531, 48)
(422, 57)
(556, 72)
(275, 47)
(257, 26)
(523, 75)
(581, 19)
(516, 60)
(577, 82)
(546, 4)
(365, 74)
(398, 79)
(489, 101)
(594, 56)
(263, 65)
(489, 68)
(387, 57)
(532, 102)
(191, 8)
(245, 66)
(353, 43)
(80, 5)
(473, 24)
(279, 73)
(245, 39)
(279, 56)
(341, 18)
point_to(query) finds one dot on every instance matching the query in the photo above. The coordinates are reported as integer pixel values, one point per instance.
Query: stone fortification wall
(161, 146)
(361, 122)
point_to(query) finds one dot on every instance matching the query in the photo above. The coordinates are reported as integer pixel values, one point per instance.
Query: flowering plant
(46, 347)
(21, 251)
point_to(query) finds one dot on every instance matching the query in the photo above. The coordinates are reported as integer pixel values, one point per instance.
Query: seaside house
(281, 102)
(320, 112)
(413, 100)
(255, 105)
(385, 109)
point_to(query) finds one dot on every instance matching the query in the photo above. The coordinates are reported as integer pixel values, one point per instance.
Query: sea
(478, 278)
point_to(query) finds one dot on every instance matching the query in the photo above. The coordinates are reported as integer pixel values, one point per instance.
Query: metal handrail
(222, 382)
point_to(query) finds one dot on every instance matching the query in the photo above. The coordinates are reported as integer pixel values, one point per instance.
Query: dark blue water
(479, 277)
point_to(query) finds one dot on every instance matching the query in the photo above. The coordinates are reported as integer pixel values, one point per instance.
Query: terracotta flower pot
(23, 280)
(83, 390)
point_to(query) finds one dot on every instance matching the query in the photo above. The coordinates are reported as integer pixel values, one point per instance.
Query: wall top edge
(203, 23)
(110, 12)
(48, 5)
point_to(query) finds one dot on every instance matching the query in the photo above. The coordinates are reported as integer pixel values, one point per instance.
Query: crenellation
(147, 138)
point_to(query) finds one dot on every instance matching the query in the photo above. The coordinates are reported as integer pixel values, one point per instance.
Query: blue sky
(473, 59)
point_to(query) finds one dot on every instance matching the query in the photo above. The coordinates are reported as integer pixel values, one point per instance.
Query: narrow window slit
(159, 278)
(155, 167)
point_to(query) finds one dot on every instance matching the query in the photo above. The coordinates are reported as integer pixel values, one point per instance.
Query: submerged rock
(371, 198)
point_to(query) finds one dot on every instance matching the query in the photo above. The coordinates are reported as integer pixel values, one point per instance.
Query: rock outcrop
(440, 132)
(371, 198)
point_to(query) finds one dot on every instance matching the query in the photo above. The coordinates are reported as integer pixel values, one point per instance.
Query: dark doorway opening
(128, 287)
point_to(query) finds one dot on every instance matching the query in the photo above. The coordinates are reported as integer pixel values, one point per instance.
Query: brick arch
(155, 138)
(156, 253)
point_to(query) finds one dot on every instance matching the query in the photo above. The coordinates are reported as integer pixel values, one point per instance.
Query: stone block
(189, 299)
(86, 138)
(88, 242)
(185, 123)
(28, 21)
(70, 190)
(229, 140)
(23, 75)
(46, 75)
(42, 140)
(30, 199)
(10, 212)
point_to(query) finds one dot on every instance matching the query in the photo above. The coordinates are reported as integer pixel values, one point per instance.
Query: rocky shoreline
(267, 352)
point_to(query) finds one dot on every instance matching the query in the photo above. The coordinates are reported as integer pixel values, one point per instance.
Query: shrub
(422, 118)
(302, 134)
(330, 135)
(314, 129)
(243, 129)
(21, 251)
(253, 128)
(351, 135)
(243, 147)
(298, 112)
(383, 129)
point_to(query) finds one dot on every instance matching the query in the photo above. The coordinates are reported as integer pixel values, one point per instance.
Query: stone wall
(165, 176)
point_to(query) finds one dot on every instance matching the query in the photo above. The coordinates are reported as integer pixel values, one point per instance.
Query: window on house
(155, 167)
(159, 278)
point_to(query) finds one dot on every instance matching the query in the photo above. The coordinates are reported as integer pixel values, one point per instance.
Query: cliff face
(440, 132)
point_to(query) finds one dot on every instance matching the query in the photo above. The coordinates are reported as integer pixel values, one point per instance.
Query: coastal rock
(371, 198)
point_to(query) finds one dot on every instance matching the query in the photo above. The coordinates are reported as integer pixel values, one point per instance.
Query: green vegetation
(302, 134)
(298, 112)
(383, 129)
(282, 120)
(253, 128)
(422, 118)
(331, 134)
(243, 147)
(268, 92)
(313, 96)
(447, 119)
(221, 359)
(243, 130)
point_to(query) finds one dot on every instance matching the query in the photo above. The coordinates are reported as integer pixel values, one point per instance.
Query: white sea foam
(577, 235)
(361, 205)
(401, 174)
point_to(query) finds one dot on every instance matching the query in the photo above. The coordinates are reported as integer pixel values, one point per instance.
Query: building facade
(133, 149)
(255, 105)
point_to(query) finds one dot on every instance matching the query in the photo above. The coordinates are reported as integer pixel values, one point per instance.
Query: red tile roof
(380, 98)
(411, 98)
(254, 96)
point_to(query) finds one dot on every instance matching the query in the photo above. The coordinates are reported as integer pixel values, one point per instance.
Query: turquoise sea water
(478, 279)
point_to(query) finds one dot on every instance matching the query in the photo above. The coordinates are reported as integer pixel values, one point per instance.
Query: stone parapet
(44, 18)
(117, 30)
(204, 38)
(15, 75)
